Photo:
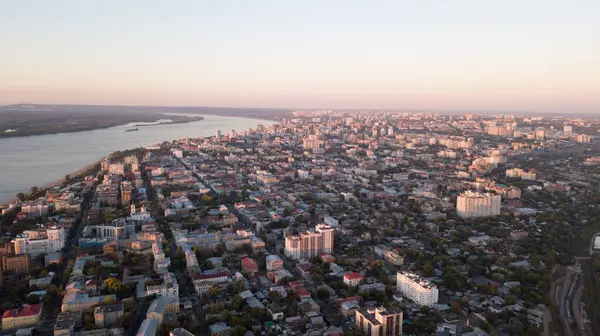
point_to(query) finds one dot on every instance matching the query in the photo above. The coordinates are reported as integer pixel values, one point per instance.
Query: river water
(43, 159)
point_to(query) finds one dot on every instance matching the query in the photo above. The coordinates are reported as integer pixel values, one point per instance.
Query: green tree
(34, 190)
(428, 269)
(126, 319)
(113, 285)
(213, 291)
(510, 300)
(238, 330)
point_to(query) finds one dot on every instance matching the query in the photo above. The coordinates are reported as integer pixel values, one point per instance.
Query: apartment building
(379, 321)
(310, 244)
(16, 264)
(417, 289)
(473, 204)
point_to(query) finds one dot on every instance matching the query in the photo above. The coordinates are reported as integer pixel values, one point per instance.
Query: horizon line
(291, 109)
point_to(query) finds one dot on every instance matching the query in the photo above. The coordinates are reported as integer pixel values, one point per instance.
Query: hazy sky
(485, 55)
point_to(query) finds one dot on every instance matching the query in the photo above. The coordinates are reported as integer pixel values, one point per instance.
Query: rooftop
(26, 310)
(353, 276)
(418, 279)
(180, 332)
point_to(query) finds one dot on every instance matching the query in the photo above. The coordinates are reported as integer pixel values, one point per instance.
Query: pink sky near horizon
(534, 56)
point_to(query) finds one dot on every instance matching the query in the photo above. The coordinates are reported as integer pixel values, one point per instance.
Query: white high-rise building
(417, 289)
(473, 204)
(56, 238)
(568, 130)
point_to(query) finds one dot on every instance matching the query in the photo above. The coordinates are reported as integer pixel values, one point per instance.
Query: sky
(534, 55)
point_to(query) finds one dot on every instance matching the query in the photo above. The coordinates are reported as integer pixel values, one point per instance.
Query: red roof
(248, 262)
(353, 276)
(27, 310)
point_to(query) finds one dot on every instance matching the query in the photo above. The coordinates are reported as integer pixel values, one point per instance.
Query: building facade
(310, 244)
(21, 317)
(417, 289)
(473, 204)
(379, 321)
(108, 315)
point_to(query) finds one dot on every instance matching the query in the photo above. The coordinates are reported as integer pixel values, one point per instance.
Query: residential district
(326, 223)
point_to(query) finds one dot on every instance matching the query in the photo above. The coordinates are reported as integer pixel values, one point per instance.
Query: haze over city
(538, 56)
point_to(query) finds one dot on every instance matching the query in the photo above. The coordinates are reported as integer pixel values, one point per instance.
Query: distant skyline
(449, 55)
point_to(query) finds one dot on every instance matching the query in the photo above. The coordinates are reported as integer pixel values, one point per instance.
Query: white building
(56, 238)
(473, 204)
(523, 174)
(417, 289)
(168, 290)
(331, 221)
(273, 262)
(353, 279)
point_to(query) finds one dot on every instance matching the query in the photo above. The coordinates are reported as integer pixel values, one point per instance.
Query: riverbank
(38, 123)
(171, 122)
(29, 161)
(70, 177)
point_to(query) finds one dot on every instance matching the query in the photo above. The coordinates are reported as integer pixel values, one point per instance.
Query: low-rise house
(352, 279)
(348, 308)
(219, 329)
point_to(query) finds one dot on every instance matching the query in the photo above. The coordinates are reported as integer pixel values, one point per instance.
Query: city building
(219, 329)
(379, 321)
(180, 332)
(21, 317)
(273, 262)
(353, 279)
(156, 310)
(149, 327)
(249, 266)
(473, 204)
(168, 289)
(584, 138)
(16, 264)
(66, 323)
(523, 174)
(310, 244)
(125, 192)
(108, 315)
(417, 289)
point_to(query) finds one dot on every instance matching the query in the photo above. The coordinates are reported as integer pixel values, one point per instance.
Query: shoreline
(10, 135)
(74, 174)
(170, 122)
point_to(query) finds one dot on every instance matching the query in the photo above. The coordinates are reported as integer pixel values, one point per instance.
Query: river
(43, 159)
